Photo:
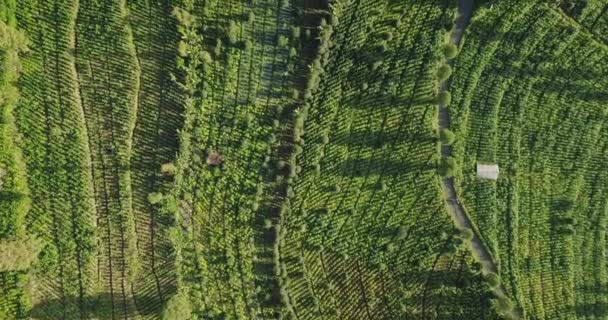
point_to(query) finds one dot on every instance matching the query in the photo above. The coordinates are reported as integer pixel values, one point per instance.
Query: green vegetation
(446, 136)
(275, 159)
(17, 254)
(530, 95)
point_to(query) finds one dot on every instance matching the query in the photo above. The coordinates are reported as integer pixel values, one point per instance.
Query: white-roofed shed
(487, 171)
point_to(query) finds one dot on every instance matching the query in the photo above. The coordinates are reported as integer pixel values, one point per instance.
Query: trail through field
(454, 207)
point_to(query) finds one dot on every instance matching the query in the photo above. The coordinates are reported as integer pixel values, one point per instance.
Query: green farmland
(303, 159)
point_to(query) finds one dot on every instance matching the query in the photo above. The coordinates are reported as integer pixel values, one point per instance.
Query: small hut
(487, 171)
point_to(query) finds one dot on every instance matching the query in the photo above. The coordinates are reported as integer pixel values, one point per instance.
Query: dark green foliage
(444, 98)
(444, 72)
(450, 51)
(447, 167)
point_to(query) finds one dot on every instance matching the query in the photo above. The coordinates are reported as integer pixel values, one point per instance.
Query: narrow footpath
(453, 205)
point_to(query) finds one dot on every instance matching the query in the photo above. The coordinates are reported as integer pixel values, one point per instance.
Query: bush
(182, 48)
(267, 223)
(282, 41)
(450, 51)
(155, 197)
(447, 167)
(467, 234)
(168, 168)
(232, 32)
(446, 136)
(444, 98)
(444, 72)
(178, 308)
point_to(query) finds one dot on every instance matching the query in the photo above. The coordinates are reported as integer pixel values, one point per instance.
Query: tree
(446, 136)
(444, 98)
(178, 308)
(450, 51)
(444, 72)
(447, 167)
(18, 253)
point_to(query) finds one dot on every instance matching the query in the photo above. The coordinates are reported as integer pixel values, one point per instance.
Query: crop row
(49, 114)
(367, 180)
(154, 146)
(541, 71)
(226, 195)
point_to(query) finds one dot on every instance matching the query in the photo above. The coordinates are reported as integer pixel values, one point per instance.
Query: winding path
(453, 205)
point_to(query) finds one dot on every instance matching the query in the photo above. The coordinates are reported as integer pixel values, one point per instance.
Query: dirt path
(454, 207)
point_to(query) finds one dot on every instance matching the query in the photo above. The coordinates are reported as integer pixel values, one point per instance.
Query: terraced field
(302, 159)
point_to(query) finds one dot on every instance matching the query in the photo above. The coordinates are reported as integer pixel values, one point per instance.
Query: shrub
(250, 17)
(282, 41)
(267, 223)
(447, 167)
(168, 168)
(444, 72)
(450, 51)
(467, 234)
(232, 32)
(218, 47)
(446, 136)
(295, 32)
(155, 197)
(444, 98)
(182, 48)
